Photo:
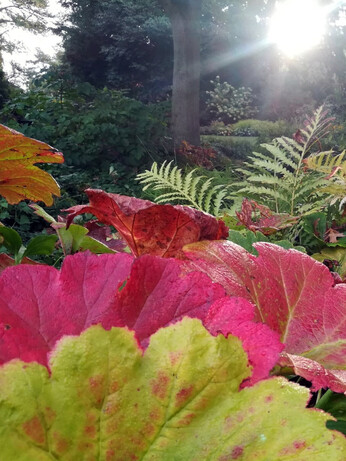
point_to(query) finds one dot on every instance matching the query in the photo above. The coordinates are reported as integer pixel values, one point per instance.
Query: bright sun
(297, 26)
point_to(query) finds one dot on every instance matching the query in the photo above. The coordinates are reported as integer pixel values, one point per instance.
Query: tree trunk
(185, 18)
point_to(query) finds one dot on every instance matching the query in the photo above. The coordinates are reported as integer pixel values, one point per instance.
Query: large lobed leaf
(39, 304)
(294, 295)
(160, 230)
(179, 400)
(19, 178)
(156, 292)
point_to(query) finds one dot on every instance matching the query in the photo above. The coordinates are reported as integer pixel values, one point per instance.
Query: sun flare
(297, 26)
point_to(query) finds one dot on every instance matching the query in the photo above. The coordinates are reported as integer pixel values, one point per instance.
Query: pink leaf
(155, 298)
(312, 371)
(294, 295)
(39, 304)
(158, 293)
(235, 316)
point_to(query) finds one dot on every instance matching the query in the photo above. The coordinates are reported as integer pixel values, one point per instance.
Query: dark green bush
(90, 126)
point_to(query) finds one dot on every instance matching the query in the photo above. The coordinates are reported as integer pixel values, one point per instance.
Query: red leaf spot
(112, 426)
(49, 415)
(114, 387)
(155, 414)
(83, 447)
(240, 418)
(183, 395)
(138, 442)
(174, 357)
(229, 424)
(299, 444)
(186, 420)
(90, 431)
(292, 449)
(110, 408)
(269, 398)
(61, 445)
(34, 429)
(110, 455)
(149, 430)
(96, 384)
(159, 386)
(237, 452)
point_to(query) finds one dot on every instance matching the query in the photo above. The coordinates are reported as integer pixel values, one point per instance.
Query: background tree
(185, 18)
(120, 44)
(25, 14)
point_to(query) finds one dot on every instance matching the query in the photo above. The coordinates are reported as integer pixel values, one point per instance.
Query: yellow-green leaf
(106, 400)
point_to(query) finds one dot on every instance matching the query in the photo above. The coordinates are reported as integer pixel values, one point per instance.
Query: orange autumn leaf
(20, 179)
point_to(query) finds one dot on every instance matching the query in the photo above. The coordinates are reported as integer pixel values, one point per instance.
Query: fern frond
(326, 162)
(275, 167)
(284, 157)
(263, 192)
(193, 190)
(279, 175)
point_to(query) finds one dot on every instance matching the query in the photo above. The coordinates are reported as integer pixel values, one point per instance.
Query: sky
(48, 43)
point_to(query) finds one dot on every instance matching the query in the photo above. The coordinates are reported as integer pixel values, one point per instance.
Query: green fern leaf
(182, 189)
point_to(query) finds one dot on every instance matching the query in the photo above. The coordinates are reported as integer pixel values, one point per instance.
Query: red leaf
(104, 235)
(235, 316)
(294, 294)
(268, 222)
(160, 230)
(158, 293)
(39, 304)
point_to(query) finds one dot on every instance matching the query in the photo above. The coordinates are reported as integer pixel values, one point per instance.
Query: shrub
(264, 129)
(90, 126)
(230, 104)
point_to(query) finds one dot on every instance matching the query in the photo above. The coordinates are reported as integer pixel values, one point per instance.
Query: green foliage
(12, 242)
(193, 190)
(90, 126)
(4, 87)
(277, 177)
(233, 147)
(265, 130)
(229, 104)
(217, 128)
(315, 228)
(246, 238)
(337, 257)
(74, 238)
(335, 404)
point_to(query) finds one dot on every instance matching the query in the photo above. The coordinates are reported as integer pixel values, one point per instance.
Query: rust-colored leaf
(160, 230)
(20, 179)
(258, 217)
